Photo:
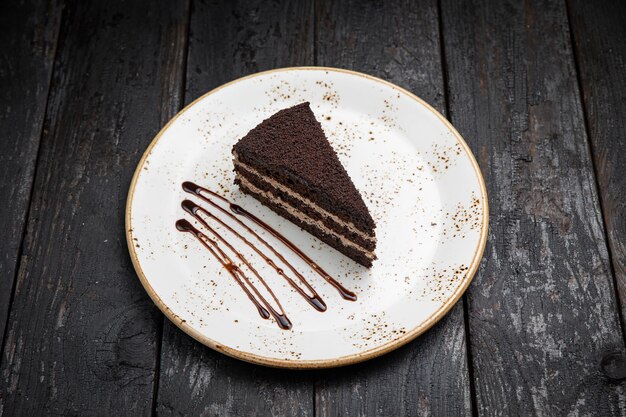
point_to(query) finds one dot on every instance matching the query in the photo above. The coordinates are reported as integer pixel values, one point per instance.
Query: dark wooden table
(538, 89)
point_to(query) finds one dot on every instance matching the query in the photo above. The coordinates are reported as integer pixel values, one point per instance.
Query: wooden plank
(398, 41)
(542, 311)
(229, 40)
(599, 31)
(82, 335)
(242, 39)
(27, 47)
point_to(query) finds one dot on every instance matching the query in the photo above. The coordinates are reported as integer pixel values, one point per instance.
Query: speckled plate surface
(416, 174)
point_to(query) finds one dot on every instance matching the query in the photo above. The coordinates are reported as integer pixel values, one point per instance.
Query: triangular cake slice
(287, 164)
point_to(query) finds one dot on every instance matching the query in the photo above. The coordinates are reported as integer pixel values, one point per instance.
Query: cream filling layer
(321, 211)
(303, 217)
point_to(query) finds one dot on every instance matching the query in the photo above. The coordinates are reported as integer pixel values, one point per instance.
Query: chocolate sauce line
(315, 300)
(264, 310)
(188, 207)
(196, 190)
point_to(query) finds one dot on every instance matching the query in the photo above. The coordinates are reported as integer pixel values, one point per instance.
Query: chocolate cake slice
(287, 164)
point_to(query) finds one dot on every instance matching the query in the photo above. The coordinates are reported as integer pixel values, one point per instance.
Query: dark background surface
(537, 88)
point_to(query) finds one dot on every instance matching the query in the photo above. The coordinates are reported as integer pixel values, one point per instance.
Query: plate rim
(316, 363)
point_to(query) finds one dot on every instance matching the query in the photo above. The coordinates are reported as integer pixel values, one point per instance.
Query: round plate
(416, 174)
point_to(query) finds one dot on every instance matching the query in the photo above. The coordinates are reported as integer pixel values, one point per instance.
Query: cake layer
(328, 202)
(240, 180)
(308, 207)
(314, 227)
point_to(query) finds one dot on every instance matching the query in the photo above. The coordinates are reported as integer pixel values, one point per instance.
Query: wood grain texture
(397, 41)
(82, 334)
(27, 46)
(229, 40)
(599, 31)
(542, 310)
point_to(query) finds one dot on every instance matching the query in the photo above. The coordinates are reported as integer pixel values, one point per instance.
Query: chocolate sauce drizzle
(262, 305)
(315, 300)
(264, 308)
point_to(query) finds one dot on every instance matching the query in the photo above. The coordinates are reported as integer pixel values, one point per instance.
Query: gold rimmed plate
(416, 174)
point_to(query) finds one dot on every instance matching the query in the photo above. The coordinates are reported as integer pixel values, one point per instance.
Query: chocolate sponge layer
(351, 252)
(304, 208)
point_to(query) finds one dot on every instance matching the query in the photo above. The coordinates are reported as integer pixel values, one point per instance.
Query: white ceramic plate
(416, 174)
